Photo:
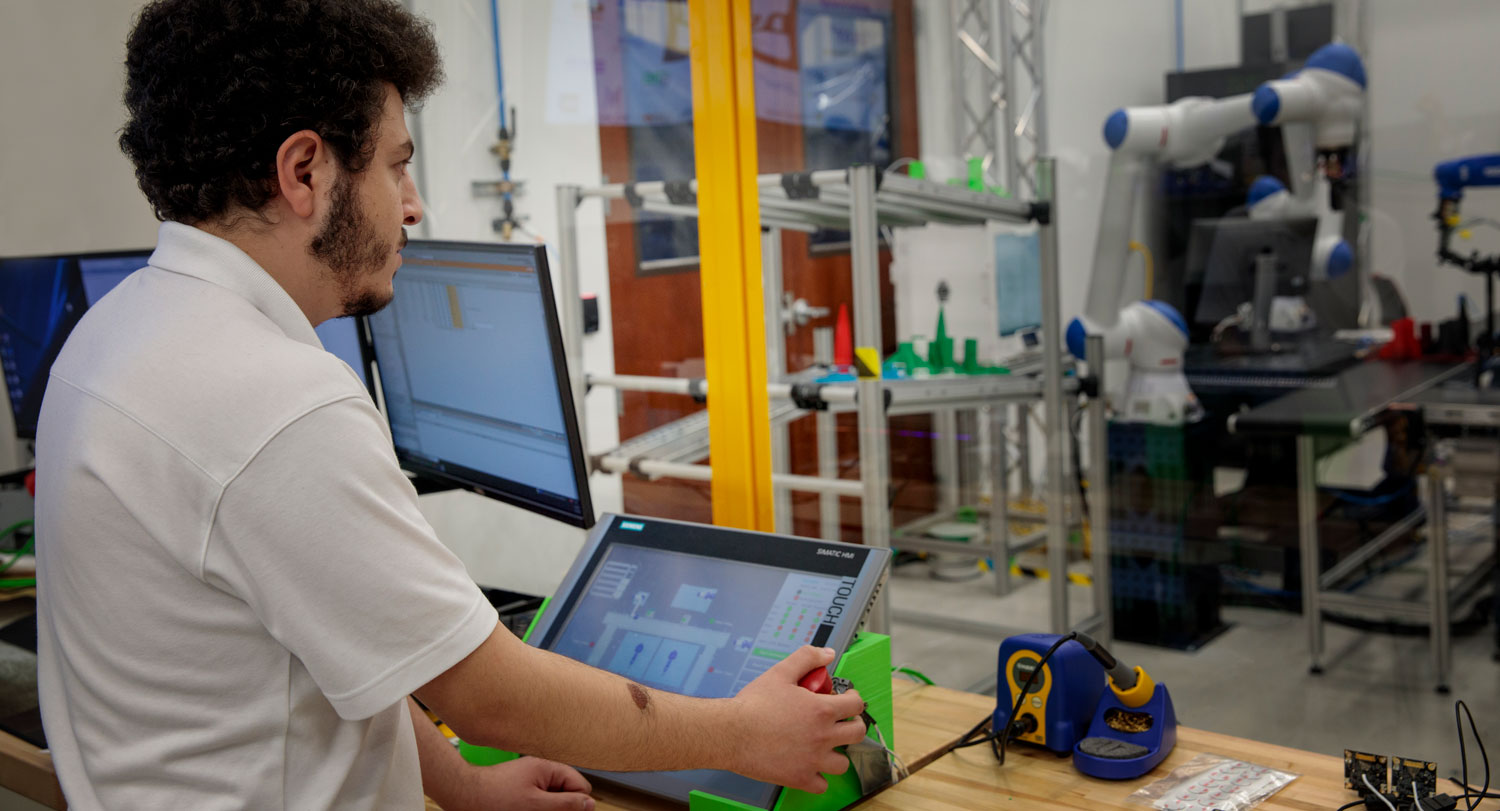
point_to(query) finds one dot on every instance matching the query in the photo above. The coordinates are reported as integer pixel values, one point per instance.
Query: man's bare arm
(512, 696)
(527, 784)
(444, 771)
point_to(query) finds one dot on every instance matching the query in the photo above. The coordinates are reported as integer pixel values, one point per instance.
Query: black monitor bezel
(28, 432)
(420, 467)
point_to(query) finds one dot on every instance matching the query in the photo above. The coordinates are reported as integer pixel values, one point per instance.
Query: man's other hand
(787, 733)
(532, 784)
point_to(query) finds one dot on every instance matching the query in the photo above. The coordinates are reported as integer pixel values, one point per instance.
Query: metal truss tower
(997, 72)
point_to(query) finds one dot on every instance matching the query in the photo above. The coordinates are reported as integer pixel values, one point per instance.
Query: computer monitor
(702, 610)
(470, 362)
(344, 337)
(1018, 281)
(1221, 262)
(43, 297)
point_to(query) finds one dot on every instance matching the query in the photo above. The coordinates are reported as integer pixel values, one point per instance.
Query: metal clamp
(1041, 212)
(809, 396)
(799, 185)
(698, 390)
(1088, 385)
(680, 192)
(633, 197)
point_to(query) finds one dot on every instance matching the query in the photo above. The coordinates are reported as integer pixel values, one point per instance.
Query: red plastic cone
(843, 340)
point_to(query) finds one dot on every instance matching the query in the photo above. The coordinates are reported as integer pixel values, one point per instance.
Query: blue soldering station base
(1157, 740)
(1062, 696)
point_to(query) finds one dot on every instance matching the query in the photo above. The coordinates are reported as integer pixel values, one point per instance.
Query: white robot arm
(1317, 108)
(1144, 341)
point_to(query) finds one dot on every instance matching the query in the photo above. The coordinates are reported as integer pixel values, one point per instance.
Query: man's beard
(350, 247)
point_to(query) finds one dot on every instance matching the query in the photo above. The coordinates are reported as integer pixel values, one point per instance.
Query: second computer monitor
(471, 366)
(41, 299)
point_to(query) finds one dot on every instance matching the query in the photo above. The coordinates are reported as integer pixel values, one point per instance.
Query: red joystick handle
(818, 681)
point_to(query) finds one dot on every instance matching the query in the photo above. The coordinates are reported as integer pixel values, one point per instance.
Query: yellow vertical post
(729, 248)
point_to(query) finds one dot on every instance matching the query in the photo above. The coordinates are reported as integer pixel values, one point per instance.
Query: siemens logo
(835, 553)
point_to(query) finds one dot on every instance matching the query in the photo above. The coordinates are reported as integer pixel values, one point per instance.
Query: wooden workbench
(970, 778)
(929, 720)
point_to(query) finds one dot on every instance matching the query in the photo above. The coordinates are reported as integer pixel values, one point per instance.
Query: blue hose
(499, 68)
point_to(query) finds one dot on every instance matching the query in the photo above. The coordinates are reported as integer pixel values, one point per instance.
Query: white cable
(902, 772)
(1416, 801)
(1383, 798)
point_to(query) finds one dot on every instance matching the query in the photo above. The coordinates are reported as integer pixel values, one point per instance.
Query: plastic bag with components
(1213, 783)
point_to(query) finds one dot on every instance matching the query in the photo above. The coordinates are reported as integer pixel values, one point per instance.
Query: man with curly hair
(237, 592)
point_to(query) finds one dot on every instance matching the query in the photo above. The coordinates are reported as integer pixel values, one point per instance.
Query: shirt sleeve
(320, 534)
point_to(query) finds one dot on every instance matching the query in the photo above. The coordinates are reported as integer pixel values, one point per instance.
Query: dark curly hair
(213, 87)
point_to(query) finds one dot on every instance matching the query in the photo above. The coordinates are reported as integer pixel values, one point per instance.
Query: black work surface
(1460, 392)
(1308, 359)
(1349, 406)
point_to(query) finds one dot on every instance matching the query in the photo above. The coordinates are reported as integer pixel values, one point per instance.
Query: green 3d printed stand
(866, 664)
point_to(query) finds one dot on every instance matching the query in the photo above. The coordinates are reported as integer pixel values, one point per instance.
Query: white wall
(67, 187)
(1100, 56)
(549, 78)
(1433, 97)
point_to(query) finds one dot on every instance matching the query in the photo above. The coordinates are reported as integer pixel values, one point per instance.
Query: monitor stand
(427, 484)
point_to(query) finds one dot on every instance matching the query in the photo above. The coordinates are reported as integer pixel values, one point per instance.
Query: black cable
(1010, 723)
(1075, 424)
(1346, 806)
(965, 741)
(1463, 752)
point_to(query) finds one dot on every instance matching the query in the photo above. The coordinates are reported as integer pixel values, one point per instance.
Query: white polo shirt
(236, 588)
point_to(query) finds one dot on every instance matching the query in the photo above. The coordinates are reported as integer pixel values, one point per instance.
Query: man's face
(360, 241)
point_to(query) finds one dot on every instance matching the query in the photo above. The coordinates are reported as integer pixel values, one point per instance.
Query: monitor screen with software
(42, 298)
(470, 361)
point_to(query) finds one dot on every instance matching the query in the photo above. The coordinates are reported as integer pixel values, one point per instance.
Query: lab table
(1345, 406)
(1458, 406)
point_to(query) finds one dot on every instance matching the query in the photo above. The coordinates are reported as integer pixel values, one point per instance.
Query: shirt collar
(194, 252)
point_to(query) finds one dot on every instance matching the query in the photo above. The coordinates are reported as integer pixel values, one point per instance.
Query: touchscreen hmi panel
(702, 611)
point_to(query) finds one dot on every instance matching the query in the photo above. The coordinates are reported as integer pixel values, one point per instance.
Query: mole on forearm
(639, 695)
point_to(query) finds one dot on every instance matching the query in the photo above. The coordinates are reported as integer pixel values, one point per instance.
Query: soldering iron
(1114, 719)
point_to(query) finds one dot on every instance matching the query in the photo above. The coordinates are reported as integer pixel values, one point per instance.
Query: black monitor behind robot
(1221, 263)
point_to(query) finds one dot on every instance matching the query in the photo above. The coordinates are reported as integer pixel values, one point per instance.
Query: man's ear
(303, 165)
